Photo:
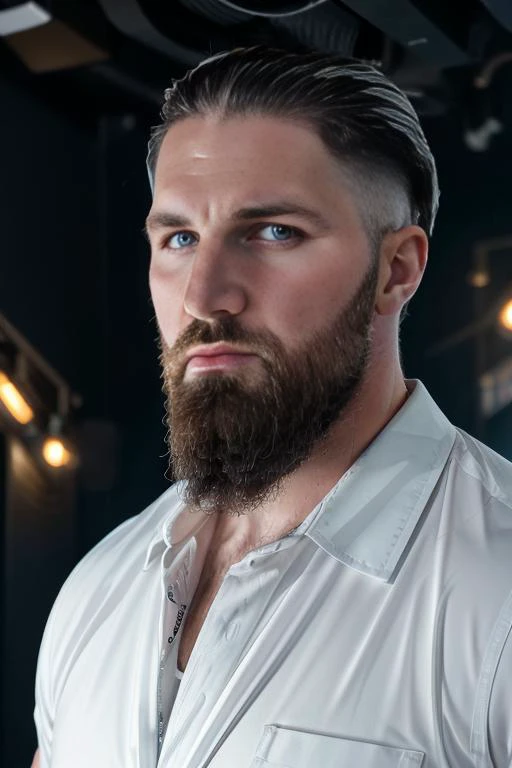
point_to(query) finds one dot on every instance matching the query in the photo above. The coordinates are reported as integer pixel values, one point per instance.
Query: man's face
(263, 283)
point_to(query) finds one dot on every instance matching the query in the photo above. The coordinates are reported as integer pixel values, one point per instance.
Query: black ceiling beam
(129, 17)
(404, 23)
(502, 12)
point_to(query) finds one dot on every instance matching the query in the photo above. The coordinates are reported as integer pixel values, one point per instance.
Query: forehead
(202, 135)
(250, 156)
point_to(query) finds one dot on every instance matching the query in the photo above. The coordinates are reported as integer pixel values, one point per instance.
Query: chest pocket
(287, 748)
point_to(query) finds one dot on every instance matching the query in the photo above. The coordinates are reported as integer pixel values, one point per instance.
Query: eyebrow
(164, 219)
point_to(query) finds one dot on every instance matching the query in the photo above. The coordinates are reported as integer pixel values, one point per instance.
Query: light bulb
(14, 401)
(505, 316)
(55, 452)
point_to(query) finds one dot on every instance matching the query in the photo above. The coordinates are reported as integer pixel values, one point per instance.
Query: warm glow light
(14, 401)
(479, 278)
(55, 452)
(506, 316)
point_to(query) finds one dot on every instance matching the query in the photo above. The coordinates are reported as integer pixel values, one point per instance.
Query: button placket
(200, 666)
(229, 628)
(176, 587)
(175, 600)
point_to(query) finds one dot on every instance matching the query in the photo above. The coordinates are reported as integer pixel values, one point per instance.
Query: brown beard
(233, 440)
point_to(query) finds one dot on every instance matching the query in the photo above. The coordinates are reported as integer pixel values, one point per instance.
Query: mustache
(222, 330)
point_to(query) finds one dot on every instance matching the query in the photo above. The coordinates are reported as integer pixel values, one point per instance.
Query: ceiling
(90, 56)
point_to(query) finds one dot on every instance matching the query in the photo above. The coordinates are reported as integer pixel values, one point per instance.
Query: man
(329, 581)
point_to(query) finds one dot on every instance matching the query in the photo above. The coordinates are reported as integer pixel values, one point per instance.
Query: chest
(316, 654)
(305, 642)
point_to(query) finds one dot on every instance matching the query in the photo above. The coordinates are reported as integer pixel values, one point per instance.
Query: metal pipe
(65, 395)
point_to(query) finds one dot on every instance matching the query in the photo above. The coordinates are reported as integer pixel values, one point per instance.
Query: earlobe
(403, 257)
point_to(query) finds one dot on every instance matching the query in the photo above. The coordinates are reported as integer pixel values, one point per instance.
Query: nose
(215, 286)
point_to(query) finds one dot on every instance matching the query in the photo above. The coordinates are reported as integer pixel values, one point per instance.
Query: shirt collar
(176, 527)
(367, 519)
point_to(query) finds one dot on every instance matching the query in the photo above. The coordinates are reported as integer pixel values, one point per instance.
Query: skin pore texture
(213, 259)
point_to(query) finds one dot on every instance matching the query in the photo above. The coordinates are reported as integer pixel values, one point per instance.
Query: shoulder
(466, 559)
(474, 527)
(470, 550)
(478, 504)
(125, 547)
(88, 599)
(474, 547)
(92, 589)
(478, 496)
(492, 471)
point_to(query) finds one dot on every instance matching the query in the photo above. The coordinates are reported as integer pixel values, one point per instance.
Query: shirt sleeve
(52, 666)
(58, 645)
(44, 698)
(500, 705)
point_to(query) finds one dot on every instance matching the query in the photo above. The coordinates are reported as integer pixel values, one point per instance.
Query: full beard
(234, 439)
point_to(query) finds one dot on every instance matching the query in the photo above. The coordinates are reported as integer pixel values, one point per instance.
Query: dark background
(74, 262)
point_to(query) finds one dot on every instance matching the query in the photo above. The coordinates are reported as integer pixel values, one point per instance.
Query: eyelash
(295, 234)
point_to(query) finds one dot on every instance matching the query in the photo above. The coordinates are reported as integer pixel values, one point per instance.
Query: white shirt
(377, 635)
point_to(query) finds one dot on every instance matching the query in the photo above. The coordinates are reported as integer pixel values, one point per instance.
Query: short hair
(363, 118)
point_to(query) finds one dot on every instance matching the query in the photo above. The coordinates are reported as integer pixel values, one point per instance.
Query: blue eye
(181, 240)
(279, 232)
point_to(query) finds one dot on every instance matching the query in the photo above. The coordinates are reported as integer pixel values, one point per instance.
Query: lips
(215, 350)
(216, 357)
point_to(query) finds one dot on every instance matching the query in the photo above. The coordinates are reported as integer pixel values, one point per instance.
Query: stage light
(505, 316)
(55, 453)
(56, 449)
(14, 401)
(52, 447)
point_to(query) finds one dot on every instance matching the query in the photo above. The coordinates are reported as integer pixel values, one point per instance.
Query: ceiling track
(404, 23)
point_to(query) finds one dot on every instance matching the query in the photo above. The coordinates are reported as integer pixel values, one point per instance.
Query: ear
(403, 258)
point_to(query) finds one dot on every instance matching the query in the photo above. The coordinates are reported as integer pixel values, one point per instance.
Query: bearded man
(328, 582)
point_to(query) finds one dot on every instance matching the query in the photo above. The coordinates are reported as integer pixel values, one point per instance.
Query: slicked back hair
(363, 118)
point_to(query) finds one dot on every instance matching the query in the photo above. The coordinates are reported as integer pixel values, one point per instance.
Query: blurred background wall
(79, 89)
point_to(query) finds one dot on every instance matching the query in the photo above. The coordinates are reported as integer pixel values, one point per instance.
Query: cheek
(298, 307)
(168, 304)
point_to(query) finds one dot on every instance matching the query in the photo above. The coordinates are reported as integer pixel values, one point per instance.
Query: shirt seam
(479, 739)
(492, 495)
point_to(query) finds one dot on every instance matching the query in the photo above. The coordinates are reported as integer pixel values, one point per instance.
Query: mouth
(216, 357)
